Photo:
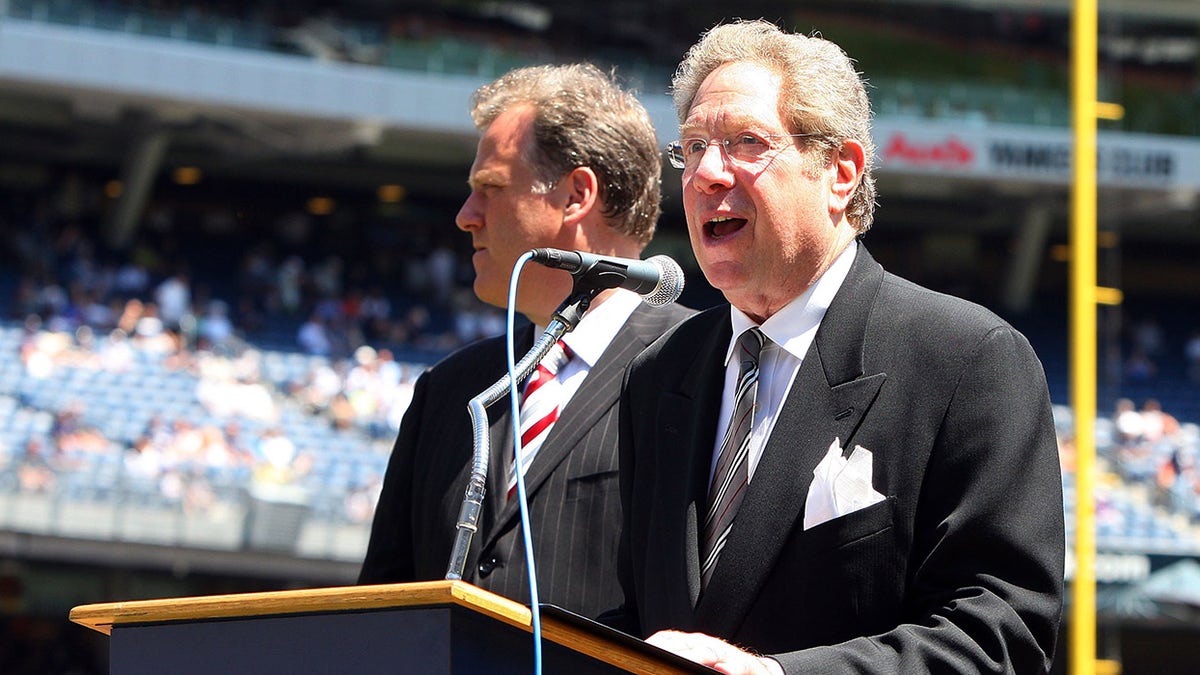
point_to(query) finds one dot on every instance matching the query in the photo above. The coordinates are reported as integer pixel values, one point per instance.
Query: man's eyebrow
(727, 124)
(485, 176)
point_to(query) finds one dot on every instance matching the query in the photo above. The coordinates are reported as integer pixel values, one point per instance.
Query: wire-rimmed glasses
(745, 147)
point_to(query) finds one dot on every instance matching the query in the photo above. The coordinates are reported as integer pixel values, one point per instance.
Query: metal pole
(1084, 27)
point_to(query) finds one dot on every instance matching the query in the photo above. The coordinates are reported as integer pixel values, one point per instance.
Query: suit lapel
(595, 396)
(827, 400)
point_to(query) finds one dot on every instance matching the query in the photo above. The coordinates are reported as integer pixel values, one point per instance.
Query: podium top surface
(103, 617)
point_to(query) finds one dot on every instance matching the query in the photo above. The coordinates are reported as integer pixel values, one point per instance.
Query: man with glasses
(841, 469)
(567, 160)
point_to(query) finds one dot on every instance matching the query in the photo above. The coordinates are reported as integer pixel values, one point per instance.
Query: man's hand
(714, 653)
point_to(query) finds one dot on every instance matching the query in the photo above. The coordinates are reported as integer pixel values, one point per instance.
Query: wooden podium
(427, 627)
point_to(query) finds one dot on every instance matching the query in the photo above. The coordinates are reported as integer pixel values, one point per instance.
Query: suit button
(486, 567)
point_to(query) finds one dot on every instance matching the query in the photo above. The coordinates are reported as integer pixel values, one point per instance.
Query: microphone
(659, 280)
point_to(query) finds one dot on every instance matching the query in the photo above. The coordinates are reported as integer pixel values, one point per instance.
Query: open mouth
(723, 227)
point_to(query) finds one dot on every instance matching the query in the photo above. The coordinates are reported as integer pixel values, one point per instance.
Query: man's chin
(727, 276)
(490, 293)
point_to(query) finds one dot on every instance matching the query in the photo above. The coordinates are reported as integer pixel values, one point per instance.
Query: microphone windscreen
(670, 285)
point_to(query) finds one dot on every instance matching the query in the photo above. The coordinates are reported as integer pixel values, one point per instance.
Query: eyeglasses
(745, 147)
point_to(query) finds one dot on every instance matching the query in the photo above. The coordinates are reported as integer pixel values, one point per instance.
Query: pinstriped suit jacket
(575, 512)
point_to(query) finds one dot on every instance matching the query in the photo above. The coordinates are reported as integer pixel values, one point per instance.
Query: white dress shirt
(789, 332)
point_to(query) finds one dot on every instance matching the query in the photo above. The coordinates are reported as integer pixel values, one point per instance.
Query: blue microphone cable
(519, 454)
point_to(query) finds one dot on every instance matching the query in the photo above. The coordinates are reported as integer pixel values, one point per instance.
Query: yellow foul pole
(1084, 26)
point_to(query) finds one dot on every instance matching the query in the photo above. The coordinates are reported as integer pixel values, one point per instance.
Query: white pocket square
(841, 485)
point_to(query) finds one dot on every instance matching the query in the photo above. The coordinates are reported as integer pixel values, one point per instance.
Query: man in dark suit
(887, 497)
(567, 160)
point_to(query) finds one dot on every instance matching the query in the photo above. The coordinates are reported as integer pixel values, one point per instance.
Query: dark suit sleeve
(389, 558)
(985, 568)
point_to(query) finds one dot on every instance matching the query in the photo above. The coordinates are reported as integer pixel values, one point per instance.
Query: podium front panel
(425, 641)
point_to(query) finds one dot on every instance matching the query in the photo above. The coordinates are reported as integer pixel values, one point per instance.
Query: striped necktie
(539, 408)
(731, 476)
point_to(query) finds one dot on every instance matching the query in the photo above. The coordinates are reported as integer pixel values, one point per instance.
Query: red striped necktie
(539, 408)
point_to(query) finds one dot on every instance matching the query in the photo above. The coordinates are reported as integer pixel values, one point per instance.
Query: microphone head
(670, 285)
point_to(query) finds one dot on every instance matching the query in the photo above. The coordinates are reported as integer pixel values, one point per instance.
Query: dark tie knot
(750, 345)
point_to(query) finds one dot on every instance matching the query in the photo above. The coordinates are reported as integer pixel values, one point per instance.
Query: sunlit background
(228, 250)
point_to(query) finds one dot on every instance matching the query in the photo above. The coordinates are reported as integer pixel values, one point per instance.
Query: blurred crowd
(1144, 455)
(234, 436)
(1153, 448)
(286, 279)
(165, 305)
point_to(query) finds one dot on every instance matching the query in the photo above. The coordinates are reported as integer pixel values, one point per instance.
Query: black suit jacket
(572, 487)
(959, 569)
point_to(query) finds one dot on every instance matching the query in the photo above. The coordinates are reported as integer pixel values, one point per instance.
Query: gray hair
(583, 118)
(821, 92)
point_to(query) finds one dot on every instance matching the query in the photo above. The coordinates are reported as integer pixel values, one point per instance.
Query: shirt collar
(599, 326)
(795, 324)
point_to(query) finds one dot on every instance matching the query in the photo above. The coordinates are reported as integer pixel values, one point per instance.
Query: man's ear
(848, 163)
(582, 188)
